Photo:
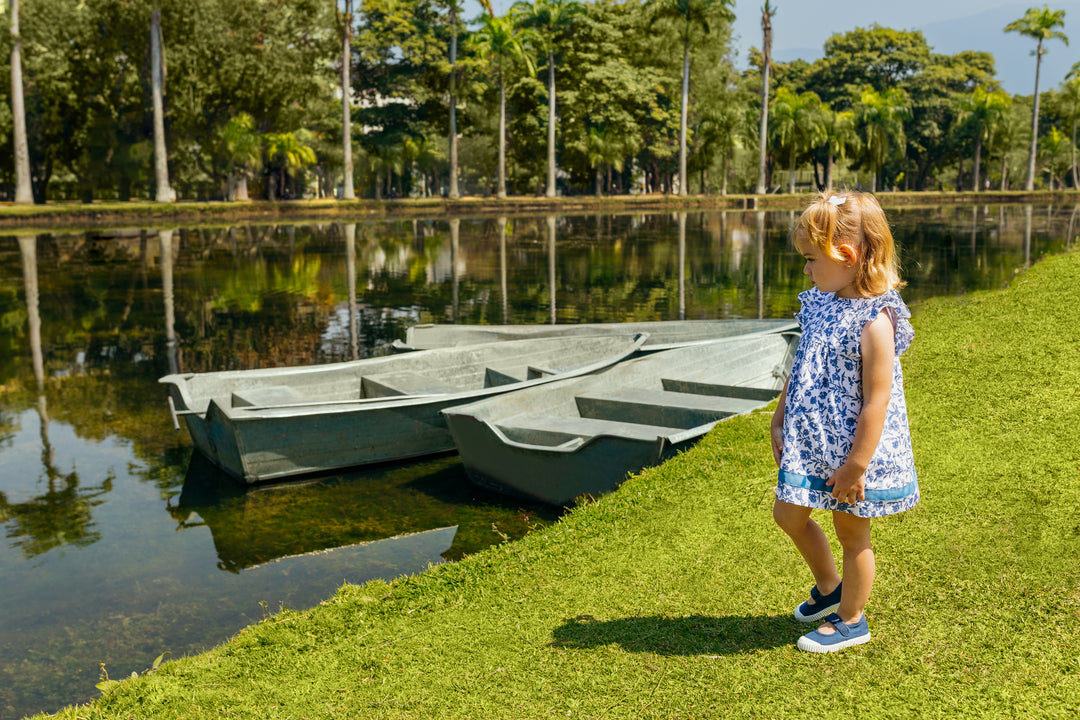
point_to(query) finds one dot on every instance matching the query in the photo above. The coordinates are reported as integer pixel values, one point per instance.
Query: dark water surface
(119, 545)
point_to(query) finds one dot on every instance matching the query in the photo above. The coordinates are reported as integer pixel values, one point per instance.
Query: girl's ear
(849, 254)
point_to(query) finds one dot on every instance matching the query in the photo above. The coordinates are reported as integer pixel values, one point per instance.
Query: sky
(801, 27)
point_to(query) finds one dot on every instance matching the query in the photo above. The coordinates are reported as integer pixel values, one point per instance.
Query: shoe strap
(815, 594)
(840, 625)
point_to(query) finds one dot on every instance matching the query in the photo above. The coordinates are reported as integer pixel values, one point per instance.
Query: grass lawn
(671, 598)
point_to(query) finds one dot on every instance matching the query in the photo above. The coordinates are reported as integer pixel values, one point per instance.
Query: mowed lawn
(671, 598)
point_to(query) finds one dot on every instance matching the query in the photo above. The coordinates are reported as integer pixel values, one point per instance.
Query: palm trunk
(1004, 169)
(1029, 183)
(978, 159)
(791, 163)
(453, 110)
(828, 171)
(161, 163)
(682, 118)
(502, 134)
(24, 192)
(763, 132)
(348, 192)
(551, 125)
(1073, 148)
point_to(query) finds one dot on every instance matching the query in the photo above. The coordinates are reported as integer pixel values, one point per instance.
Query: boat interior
(636, 413)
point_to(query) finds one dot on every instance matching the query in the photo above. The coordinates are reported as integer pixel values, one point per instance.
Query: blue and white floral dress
(823, 402)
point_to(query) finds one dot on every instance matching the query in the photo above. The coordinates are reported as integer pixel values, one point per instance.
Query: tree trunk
(791, 163)
(599, 180)
(1029, 182)
(1073, 148)
(161, 161)
(828, 171)
(978, 159)
(1004, 169)
(241, 191)
(24, 192)
(453, 108)
(348, 192)
(551, 125)
(682, 118)
(763, 133)
(501, 194)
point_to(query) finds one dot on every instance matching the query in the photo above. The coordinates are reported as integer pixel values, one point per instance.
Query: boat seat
(662, 407)
(735, 391)
(555, 430)
(401, 383)
(265, 396)
(494, 377)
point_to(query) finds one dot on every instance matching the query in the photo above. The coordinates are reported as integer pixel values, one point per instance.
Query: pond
(119, 544)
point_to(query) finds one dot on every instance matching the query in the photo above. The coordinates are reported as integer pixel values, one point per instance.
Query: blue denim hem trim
(808, 482)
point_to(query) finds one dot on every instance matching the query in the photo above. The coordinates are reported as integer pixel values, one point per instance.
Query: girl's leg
(859, 566)
(811, 543)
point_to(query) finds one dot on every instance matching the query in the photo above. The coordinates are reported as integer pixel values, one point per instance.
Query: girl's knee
(852, 532)
(790, 518)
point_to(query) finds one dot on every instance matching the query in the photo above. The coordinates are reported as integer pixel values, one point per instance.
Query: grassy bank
(41, 218)
(671, 598)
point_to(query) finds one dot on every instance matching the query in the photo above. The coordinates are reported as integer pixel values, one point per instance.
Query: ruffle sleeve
(891, 300)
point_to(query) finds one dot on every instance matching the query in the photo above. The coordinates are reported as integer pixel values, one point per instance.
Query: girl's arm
(777, 426)
(878, 346)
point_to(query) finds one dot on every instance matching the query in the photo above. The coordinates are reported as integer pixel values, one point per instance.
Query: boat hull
(585, 436)
(261, 425)
(663, 334)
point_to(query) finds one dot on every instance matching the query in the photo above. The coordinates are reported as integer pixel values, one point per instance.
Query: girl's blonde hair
(855, 219)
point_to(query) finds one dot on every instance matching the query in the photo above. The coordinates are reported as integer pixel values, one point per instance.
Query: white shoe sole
(825, 610)
(808, 645)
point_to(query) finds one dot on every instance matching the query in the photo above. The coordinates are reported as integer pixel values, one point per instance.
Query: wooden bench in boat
(662, 407)
(734, 391)
(401, 383)
(264, 396)
(555, 430)
(494, 377)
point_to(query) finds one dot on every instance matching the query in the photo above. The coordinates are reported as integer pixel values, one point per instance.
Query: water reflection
(94, 484)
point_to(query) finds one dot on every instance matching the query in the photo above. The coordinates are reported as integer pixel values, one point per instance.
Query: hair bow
(838, 199)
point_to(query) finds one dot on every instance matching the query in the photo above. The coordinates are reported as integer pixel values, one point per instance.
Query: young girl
(840, 433)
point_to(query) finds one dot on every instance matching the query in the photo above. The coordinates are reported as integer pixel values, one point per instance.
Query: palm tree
(767, 13)
(454, 10)
(880, 117)
(688, 13)
(1054, 153)
(157, 73)
(24, 193)
(549, 19)
(291, 151)
(348, 192)
(798, 124)
(243, 151)
(1039, 25)
(1008, 132)
(841, 137)
(497, 40)
(984, 110)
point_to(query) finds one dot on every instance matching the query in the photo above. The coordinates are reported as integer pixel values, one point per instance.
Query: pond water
(119, 544)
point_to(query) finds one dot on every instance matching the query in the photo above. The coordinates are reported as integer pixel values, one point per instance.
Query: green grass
(671, 597)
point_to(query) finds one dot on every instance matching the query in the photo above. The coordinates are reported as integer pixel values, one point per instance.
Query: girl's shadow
(693, 635)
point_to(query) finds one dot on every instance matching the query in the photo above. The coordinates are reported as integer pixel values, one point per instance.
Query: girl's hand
(848, 485)
(777, 442)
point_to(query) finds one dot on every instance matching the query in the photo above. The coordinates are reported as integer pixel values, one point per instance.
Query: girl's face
(828, 274)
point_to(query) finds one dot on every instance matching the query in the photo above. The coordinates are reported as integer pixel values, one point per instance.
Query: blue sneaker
(823, 604)
(845, 636)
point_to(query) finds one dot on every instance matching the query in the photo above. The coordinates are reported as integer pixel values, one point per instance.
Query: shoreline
(43, 218)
